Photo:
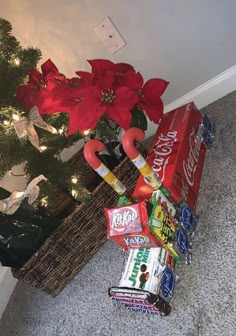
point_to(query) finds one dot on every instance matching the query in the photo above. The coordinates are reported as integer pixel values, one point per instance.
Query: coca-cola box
(176, 155)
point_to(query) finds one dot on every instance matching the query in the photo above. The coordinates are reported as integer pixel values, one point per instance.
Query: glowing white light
(86, 132)
(6, 122)
(74, 193)
(74, 180)
(44, 201)
(15, 116)
(43, 148)
(16, 61)
(60, 131)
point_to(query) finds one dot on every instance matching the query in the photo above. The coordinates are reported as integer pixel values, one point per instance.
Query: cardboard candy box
(148, 281)
(177, 155)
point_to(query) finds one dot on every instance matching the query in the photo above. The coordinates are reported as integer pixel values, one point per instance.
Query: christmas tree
(21, 141)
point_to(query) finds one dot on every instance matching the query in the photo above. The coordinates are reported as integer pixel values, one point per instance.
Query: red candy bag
(125, 219)
(128, 226)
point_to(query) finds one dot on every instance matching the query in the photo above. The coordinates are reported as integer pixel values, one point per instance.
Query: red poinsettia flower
(91, 103)
(45, 90)
(28, 96)
(150, 101)
(86, 79)
(133, 80)
(108, 75)
(36, 78)
(104, 73)
(84, 110)
(49, 67)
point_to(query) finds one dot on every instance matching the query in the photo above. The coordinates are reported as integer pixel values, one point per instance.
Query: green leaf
(138, 119)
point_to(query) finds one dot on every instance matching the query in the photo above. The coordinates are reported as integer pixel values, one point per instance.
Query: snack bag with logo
(128, 226)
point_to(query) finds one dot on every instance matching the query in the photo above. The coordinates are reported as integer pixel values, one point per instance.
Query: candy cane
(90, 149)
(138, 160)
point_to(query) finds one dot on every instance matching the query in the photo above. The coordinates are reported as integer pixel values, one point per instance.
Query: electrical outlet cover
(109, 35)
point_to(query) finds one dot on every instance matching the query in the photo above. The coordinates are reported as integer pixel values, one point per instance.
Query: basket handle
(138, 160)
(90, 149)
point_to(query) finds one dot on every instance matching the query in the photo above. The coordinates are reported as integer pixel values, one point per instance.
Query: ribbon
(24, 127)
(9, 205)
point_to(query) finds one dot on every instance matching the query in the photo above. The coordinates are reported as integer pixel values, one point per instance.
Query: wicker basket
(79, 236)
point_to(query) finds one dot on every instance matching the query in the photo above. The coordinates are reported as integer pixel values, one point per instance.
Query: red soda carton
(177, 155)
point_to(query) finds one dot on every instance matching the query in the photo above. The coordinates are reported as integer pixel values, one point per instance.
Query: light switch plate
(109, 35)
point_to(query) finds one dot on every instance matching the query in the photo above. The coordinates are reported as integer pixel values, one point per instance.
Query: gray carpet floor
(205, 297)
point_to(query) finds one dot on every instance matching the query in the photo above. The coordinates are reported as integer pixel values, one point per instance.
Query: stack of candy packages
(156, 224)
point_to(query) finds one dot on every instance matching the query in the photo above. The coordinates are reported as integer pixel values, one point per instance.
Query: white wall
(184, 41)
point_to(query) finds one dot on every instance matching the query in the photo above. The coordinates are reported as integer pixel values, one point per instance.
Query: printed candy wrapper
(162, 224)
(125, 219)
(148, 280)
(171, 229)
(149, 224)
(177, 155)
(128, 225)
(185, 217)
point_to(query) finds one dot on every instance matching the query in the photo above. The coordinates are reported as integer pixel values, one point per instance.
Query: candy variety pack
(157, 226)
(152, 224)
(177, 155)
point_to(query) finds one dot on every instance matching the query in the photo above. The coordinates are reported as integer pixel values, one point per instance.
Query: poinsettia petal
(49, 67)
(133, 80)
(28, 96)
(126, 97)
(100, 65)
(119, 111)
(105, 80)
(85, 75)
(73, 82)
(35, 77)
(153, 111)
(83, 117)
(85, 110)
(120, 115)
(154, 87)
(123, 67)
(85, 78)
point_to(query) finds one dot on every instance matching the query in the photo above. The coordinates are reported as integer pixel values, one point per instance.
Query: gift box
(177, 155)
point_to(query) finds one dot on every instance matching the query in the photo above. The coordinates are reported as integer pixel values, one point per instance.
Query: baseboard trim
(7, 285)
(209, 91)
(203, 95)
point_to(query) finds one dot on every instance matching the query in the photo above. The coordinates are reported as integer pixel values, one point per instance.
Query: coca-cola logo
(136, 240)
(162, 151)
(123, 217)
(190, 165)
